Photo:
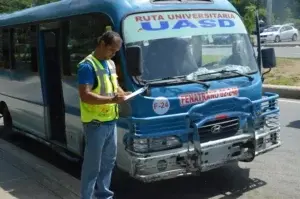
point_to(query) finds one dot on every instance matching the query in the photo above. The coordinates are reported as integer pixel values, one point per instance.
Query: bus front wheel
(7, 121)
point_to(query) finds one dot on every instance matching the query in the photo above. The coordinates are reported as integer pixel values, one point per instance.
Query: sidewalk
(24, 176)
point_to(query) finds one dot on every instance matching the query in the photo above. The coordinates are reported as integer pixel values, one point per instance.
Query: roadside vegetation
(8, 6)
(284, 11)
(286, 73)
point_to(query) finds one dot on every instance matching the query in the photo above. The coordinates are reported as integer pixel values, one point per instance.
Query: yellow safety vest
(107, 86)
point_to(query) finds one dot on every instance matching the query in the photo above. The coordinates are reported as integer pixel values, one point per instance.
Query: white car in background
(279, 33)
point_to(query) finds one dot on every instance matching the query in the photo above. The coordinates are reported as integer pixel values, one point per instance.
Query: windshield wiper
(238, 73)
(229, 71)
(183, 78)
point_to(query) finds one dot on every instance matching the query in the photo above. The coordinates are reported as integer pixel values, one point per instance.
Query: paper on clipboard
(135, 93)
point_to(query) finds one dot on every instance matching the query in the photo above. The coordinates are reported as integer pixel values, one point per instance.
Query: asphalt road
(290, 52)
(283, 43)
(274, 175)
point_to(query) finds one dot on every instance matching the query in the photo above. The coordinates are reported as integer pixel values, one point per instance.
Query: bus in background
(203, 104)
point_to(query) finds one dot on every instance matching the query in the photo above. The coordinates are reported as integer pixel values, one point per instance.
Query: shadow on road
(294, 124)
(227, 182)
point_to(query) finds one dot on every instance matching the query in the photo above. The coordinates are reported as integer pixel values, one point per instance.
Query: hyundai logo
(216, 129)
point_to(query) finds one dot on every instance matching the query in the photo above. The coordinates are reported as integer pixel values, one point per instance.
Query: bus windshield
(190, 43)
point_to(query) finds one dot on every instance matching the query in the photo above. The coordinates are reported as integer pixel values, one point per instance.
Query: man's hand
(124, 93)
(120, 90)
(119, 98)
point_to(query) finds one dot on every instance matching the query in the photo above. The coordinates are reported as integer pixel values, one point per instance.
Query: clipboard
(135, 93)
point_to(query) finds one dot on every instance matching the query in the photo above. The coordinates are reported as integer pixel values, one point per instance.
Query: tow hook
(189, 162)
(249, 152)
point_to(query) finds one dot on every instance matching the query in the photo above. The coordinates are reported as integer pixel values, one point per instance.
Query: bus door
(52, 89)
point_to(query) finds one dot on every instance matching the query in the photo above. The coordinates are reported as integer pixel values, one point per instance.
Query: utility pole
(269, 11)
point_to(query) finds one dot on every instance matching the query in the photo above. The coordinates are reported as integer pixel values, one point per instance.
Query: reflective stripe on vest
(107, 86)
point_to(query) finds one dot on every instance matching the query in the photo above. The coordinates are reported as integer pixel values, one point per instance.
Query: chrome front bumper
(188, 161)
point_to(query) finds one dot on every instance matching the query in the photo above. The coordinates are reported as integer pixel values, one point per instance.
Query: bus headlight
(143, 145)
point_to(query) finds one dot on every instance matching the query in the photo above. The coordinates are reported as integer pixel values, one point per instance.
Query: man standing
(100, 95)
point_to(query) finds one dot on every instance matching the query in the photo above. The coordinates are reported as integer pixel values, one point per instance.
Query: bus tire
(7, 121)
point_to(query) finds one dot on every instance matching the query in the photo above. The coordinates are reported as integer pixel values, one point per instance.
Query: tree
(283, 10)
(247, 9)
(249, 17)
(7, 6)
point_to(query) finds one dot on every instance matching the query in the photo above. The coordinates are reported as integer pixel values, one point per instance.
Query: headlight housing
(144, 145)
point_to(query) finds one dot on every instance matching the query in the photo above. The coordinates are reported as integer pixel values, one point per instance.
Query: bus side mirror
(268, 58)
(134, 60)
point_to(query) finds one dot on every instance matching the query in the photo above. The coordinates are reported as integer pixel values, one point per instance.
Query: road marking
(289, 101)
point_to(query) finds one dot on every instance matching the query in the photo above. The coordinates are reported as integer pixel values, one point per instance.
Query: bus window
(5, 48)
(117, 61)
(25, 52)
(78, 42)
(83, 33)
(1, 51)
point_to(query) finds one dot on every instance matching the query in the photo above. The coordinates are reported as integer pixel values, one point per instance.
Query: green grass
(281, 80)
(211, 58)
(287, 72)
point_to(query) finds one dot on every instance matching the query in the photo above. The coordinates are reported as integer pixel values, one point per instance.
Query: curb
(292, 92)
(266, 45)
(279, 45)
